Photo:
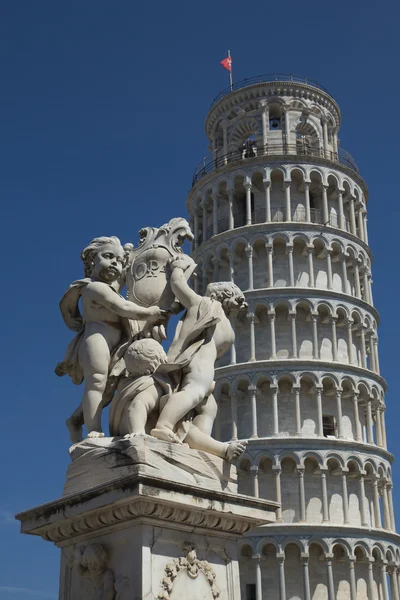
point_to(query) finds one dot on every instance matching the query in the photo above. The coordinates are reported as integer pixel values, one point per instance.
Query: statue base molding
(142, 536)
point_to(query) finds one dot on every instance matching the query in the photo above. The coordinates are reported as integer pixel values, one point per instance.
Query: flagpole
(230, 72)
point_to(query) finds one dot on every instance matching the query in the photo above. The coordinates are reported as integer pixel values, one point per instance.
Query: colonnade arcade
(284, 193)
(288, 259)
(319, 568)
(317, 486)
(301, 404)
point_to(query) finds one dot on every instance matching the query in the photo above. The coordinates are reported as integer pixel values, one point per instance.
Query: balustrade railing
(295, 150)
(269, 78)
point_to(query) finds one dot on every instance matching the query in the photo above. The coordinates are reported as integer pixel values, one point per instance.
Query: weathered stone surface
(101, 460)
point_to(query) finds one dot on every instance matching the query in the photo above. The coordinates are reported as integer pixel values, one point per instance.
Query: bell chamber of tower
(280, 209)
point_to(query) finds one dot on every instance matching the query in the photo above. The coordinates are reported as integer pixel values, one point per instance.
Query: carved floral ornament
(193, 567)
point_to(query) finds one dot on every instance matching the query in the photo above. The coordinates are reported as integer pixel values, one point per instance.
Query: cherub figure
(91, 562)
(104, 327)
(142, 391)
(203, 335)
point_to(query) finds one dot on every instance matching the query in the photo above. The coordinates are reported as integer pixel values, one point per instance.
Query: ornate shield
(148, 275)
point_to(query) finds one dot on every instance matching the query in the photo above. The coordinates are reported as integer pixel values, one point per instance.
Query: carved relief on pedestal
(193, 568)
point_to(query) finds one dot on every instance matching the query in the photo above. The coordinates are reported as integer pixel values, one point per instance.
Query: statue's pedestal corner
(160, 538)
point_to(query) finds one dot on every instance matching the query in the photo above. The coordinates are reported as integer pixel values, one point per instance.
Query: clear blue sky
(101, 126)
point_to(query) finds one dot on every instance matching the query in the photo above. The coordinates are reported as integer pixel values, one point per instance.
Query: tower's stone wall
(281, 210)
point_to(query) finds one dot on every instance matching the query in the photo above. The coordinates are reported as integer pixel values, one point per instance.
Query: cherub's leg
(138, 411)
(206, 412)
(74, 424)
(201, 441)
(193, 390)
(95, 360)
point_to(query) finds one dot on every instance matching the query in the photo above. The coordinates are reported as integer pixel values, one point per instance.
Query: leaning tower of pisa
(281, 209)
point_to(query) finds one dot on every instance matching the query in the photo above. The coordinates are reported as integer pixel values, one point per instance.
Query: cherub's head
(230, 296)
(94, 558)
(104, 259)
(144, 356)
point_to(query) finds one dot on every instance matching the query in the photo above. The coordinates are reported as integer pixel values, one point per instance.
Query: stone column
(331, 587)
(385, 505)
(231, 258)
(248, 187)
(350, 340)
(270, 250)
(196, 228)
(377, 511)
(334, 339)
(391, 509)
(325, 207)
(265, 123)
(345, 495)
(364, 522)
(345, 285)
(292, 316)
(289, 250)
(325, 135)
(249, 254)
(329, 269)
(271, 316)
(366, 286)
(394, 585)
(231, 221)
(371, 585)
(383, 409)
(384, 582)
(267, 189)
(365, 227)
(371, 300)
(357, 279)
(254, 476)
(342, 223)
(204, 207)
(257, 559)
(253, 396)
(314, 318)
(278, 495)
(370, 429)
(339, 412)
(215, 213)
(324, 491)
(306, 577)
(320, 425)
(275, 414)
(288, 211)
(358, 433)
(307, 201)
(251, 319)
(372, 364)
(234, 415)
(282, 585)
(296, 390)
(233, 347)
(361, 223)
(310, 251)
(352, 578)
(376, 355)
(363, 347)
(353, 227)
(302, 495)
(378, 427)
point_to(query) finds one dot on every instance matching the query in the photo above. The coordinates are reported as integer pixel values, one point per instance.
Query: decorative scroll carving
(193, 567)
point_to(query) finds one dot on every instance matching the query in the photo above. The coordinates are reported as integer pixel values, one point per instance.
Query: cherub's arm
(102, 294)
(179, 284)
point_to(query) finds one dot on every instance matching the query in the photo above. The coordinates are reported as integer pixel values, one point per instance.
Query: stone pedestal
(144, 519)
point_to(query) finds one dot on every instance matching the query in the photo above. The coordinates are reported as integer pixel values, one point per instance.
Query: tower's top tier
(278, 94)
(273, 115)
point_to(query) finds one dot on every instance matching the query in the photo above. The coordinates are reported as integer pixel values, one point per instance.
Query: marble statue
(105, 326)
(117, 351)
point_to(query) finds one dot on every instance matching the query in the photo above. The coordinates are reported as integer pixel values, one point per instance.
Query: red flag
(227, 64)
